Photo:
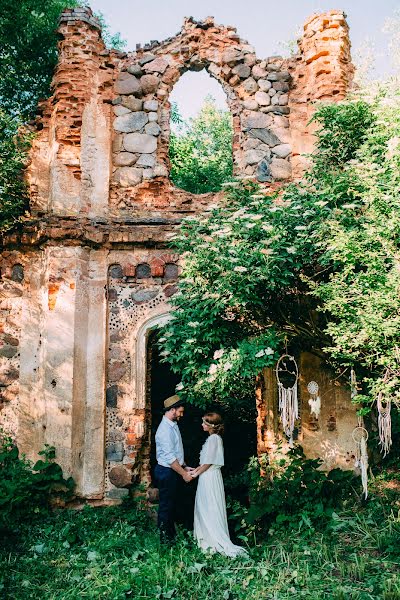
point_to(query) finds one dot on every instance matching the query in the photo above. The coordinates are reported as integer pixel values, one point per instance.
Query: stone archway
(142, 383)
(138, 290)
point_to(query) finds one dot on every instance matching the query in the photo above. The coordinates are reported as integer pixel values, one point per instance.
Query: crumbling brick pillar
(70, 166)
(322, 71)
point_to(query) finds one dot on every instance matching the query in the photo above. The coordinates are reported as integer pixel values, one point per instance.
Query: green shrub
(26, 489)
(290, 492)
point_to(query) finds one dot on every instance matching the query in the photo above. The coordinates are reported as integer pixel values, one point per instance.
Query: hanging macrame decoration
(315, 400)
(384, 424)
(287, 375)
(360, 437)
(353, 384)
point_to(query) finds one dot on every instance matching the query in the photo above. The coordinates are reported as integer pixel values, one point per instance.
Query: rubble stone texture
(90, 273)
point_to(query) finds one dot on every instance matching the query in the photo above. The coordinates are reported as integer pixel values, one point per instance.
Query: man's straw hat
(171, 401)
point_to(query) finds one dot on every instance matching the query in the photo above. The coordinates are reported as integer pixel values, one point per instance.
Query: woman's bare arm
(200, 470)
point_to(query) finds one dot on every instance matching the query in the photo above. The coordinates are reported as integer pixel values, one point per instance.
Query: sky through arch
(189, 103)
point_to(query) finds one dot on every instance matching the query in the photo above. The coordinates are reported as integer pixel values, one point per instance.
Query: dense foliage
(361, 249)
(315, 266)
(283, 477)
(201, 149)
(28, 51)
(13, 149)
(25, 489)
(115, 553)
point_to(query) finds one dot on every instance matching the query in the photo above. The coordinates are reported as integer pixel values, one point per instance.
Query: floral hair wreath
(210, 424)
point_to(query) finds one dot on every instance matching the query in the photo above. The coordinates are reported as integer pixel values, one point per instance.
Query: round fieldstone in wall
(131, 122)
(135, 70)
(150, 105)
(120, 476)
(111, 396)
(144, 295)
(282, 150)
(128, 176)
(258, 72)
(149, 84)
(280, 169)
(264, 85)
(243, 71)
(256, 120)
(171, 271)
(17, 273)
(125, 159)
(143, 271)
(153, 129)
(146, 160)
(264, 172)
(116, 272)
(142, 143)
(127, 84)
(132, 103)
(263, 98)
(266, 136)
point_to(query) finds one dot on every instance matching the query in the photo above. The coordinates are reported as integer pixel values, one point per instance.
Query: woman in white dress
(210, 520)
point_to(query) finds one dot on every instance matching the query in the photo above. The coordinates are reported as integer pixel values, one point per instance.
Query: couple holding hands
(210, 519)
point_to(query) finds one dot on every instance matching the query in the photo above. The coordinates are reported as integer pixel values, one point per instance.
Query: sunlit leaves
(201, 150)
(317, 265)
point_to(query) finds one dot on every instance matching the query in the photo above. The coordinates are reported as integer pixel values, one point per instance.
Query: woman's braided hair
(214, 420)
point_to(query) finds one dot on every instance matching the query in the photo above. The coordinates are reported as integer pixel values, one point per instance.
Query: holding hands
(190, 473)
(187, 477)
(199, 470)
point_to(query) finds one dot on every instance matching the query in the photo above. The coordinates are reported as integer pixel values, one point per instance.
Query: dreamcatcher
(315, 400)
(360, 437)
(287, 375)
(384, 421)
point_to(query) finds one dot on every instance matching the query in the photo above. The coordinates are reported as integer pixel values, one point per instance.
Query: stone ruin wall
(90, 272)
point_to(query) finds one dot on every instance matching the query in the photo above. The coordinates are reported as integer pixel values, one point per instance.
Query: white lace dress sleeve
(213, 451)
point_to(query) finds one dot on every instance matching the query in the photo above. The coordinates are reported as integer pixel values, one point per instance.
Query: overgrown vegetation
(269, 499)
(28, 51)
(13, 154)
(201, 149)
(26, 489)
(114, 553)
(315, 266)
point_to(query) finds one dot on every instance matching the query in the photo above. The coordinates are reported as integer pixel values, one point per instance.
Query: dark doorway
(240, 441)
(161, 384)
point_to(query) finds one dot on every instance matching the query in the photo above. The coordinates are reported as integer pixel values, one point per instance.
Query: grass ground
(114, 553)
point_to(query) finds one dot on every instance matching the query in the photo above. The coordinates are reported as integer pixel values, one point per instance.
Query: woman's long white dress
(210, 520)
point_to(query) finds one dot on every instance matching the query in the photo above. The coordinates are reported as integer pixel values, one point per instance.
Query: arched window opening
(201, 134)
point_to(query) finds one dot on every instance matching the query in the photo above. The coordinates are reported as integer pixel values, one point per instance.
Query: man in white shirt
(170, 465)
